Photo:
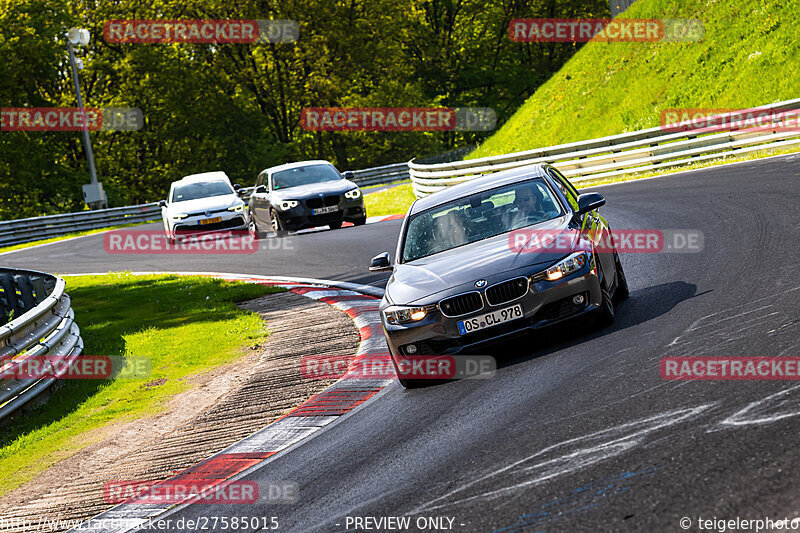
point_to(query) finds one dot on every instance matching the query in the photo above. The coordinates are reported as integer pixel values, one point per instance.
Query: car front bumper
(229, 221)
(302, 217)
(546, 303)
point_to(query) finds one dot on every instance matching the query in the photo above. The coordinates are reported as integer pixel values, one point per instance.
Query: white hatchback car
(203, 203)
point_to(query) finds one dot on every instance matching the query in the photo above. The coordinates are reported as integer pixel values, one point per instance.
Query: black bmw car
(302, 195)
(495, 257)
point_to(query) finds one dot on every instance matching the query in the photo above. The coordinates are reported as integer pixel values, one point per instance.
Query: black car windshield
(479, 216)
(201, 189)
(304, 176)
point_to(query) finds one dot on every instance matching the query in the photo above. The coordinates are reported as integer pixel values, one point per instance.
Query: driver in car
(529, 207)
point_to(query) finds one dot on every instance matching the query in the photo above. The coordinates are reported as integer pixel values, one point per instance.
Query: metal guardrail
(381, 175)
(37, 321)
(627, 153)
(38, 228)
(33, 229)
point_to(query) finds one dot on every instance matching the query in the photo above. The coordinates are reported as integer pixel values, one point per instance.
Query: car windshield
(479, 216)
(203, 189)
(294, 177)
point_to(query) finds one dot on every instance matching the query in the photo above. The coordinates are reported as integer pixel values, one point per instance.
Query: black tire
(622, 290)
(277, 225)
(605, 314)
(255, 232)
(335, 225)
(360, 221)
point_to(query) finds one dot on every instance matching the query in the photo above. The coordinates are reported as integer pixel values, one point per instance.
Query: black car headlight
(401, 314)
(353, 194)
(285, 205)
(567, 266)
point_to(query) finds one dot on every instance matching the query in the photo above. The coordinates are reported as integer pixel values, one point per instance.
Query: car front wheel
(622, 291)
(277, 225)
(254, 230)
(605, 313)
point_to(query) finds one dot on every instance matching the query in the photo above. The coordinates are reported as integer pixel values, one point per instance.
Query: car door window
(567, 189)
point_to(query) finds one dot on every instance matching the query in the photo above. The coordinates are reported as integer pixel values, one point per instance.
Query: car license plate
(323, 210)
(210, 221)
(490, 319)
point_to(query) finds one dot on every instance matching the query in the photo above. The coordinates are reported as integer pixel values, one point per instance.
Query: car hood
(314, 189)
(200, 205)
(431, 278)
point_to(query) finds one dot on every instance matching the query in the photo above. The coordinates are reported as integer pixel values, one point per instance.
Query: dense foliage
(236, 107)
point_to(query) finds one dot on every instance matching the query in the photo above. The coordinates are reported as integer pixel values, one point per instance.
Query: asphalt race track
(577, 430)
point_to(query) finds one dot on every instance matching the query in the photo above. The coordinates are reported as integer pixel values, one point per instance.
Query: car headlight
(354, 194)
(288, 204)
(179, 217)
(239, 208)
(405, 315)
(567, 266)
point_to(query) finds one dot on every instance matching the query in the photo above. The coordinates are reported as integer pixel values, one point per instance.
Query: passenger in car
(448, 230)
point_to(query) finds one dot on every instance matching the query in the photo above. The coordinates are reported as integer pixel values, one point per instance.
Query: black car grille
(210, 212)
(461, 304)
(507, 291)
(235, 222)
(327, 201)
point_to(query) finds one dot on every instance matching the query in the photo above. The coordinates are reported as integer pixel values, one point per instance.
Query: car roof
(206, 176)
(287, 166)
(484, 183)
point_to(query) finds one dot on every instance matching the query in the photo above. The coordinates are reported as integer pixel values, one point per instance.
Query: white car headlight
(179, 217)
(567, 266)
(288, 204)
(398, 314)
(239, 208)
(355, 193)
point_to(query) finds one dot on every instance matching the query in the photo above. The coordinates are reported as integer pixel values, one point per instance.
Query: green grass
(750, 56)
(394, 201)
(184, 325)
(63, 237)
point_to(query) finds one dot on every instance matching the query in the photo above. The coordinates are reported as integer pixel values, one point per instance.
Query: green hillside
(749, 56)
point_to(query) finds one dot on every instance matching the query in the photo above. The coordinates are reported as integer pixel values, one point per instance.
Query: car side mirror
(241, 192)
(380, 263)
(236, 187)
(349, 175)
(261, 189)
(589, 202)
(162, 203)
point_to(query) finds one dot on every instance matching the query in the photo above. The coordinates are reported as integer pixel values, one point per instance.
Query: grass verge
(184, 325)
(749, 56)
(394, 201)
